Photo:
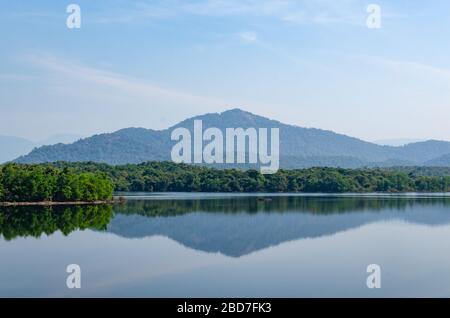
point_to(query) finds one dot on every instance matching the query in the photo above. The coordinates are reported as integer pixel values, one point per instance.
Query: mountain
(299, 147)
(12, 147)
(131, 145)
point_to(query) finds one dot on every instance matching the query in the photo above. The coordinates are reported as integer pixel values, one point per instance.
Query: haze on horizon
(154, 63)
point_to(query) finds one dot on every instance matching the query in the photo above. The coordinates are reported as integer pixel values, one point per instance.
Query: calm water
(230, 246)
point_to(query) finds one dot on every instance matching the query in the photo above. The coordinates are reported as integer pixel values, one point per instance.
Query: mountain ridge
(299, 147)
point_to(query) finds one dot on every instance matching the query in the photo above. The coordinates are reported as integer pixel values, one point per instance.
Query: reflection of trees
(314, 205)
(35, 221)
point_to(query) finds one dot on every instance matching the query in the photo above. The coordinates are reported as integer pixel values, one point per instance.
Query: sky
(154, 63)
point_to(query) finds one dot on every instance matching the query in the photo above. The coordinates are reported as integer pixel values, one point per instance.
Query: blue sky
(153, 63)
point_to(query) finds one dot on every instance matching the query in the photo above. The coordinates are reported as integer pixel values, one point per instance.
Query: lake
(227, 245)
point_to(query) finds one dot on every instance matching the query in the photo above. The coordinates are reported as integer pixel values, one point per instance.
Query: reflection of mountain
(203, 224)
(232, 226)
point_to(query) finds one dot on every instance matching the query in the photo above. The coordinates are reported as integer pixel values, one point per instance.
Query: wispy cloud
(119, 82)
(320, 12)
(251, 37)
(93, 99)
(248, 36)
(415, 67)
(237, 7)
(137, 12)
(405, 67)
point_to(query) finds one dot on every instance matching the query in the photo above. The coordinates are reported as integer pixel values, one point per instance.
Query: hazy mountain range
(299, 147)
(12, 147)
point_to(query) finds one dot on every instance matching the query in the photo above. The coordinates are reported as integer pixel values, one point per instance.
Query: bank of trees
(92, 181)
(167, 176)
(35, 183)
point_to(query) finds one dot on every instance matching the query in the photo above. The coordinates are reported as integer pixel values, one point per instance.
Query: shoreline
(54, 203)
(173, 195)
(122, 197)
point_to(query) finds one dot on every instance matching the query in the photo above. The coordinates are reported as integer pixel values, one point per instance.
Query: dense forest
(63, 181)
(35, 183)
(167, 176)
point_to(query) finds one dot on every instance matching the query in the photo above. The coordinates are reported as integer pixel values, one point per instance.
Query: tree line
(36, 183)
(171, 177)
(62, 181)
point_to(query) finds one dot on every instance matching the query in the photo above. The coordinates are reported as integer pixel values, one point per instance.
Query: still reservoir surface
(226, 245)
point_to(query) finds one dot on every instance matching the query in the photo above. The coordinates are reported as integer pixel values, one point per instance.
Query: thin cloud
(411, 67)
(119, 82)
(318, 12)
(249, 37)
(237, 7)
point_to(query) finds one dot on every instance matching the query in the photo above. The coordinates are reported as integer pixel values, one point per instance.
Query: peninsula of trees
(50, 184)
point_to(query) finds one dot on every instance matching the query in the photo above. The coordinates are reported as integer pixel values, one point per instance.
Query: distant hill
(131, 145)
(12, 147)
(442, 161)
(299, 147)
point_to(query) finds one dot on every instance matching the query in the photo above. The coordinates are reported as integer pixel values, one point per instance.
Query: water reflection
(230, 226)
(253, 204)
(229, 247)
(37, 221)
(239, 226)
